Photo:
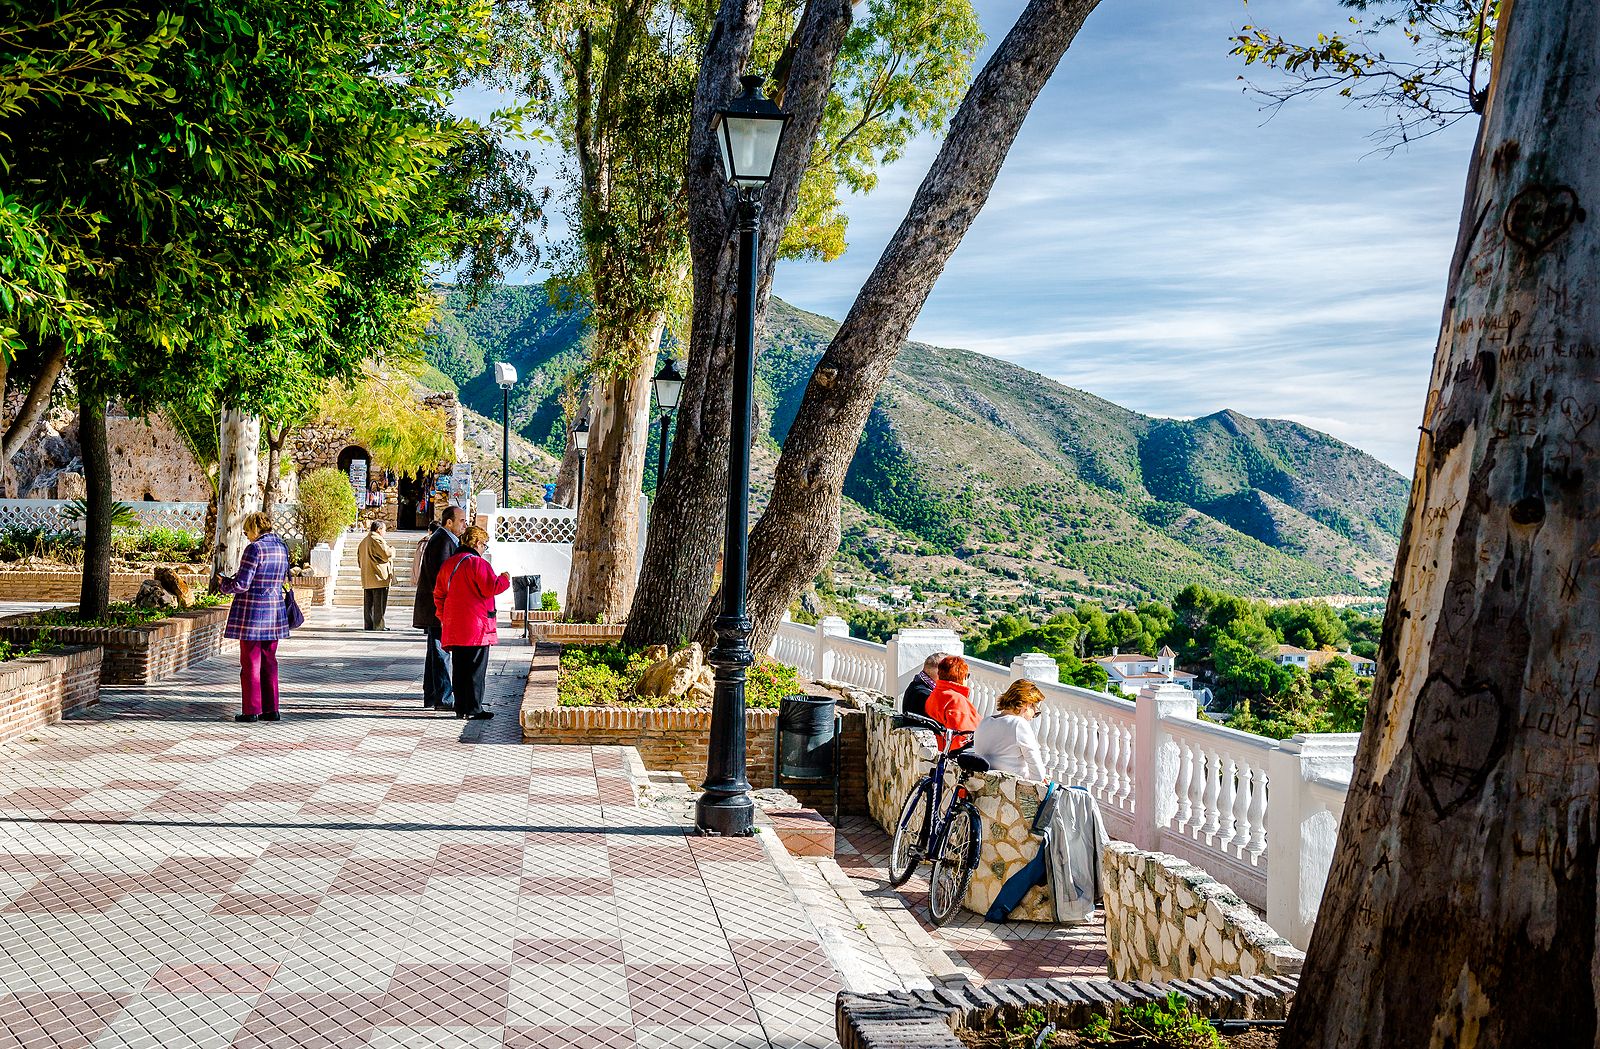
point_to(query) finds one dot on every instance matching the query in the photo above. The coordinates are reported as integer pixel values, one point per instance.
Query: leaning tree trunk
(238, 487)
(34, 405)
(277, 441)
(800, 529)
(686, 523)
(1461, 908)
(94, 595)
(605, 551)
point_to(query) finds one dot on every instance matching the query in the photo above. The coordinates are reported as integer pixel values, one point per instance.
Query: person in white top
(1005, 739)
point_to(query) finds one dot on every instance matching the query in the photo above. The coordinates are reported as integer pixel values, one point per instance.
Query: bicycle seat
(971, 762)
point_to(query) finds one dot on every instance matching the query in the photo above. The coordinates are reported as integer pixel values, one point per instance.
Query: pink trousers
(258, 676)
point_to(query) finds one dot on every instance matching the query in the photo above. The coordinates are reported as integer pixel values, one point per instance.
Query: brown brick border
(40, 690)
(928, 1019)
(28, 584)
(136, 655)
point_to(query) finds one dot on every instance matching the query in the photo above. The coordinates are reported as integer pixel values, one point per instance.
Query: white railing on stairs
(1261, 815)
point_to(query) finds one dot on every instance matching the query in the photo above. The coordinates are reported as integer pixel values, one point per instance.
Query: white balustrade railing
(1261, 815)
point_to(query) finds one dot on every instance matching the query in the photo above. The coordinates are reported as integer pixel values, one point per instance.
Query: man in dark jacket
(436, 691)
(915, 700)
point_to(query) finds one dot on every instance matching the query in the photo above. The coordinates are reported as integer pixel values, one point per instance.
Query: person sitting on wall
(915, 700)
(949, 703)
(1006, 740)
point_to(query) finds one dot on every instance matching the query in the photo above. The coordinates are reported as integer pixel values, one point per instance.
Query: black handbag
(291, 606)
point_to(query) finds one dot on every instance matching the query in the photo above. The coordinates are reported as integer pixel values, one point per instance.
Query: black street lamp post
(748, 130)
(580, 440)
(669, 385)
(505, 376)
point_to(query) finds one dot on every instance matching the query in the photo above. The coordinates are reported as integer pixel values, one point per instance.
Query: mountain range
(980, 482)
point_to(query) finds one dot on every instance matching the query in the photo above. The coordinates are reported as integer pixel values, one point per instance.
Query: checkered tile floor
(365, 873)
(1007, 951)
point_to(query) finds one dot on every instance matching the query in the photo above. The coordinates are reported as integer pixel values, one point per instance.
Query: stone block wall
(1169, 920)
(41, 690)
(898, 758)
(137, 655)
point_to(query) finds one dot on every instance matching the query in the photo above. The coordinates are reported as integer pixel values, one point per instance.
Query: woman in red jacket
(948, 703)
(464, 595)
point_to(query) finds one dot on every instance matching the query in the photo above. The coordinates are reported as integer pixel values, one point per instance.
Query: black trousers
(374, 605)
(469, 666)
(436, 690)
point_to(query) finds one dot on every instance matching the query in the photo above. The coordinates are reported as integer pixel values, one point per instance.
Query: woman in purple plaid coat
(258, 617)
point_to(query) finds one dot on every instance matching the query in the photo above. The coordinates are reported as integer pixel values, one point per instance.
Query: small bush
(768, 681)
(17, 543)
(599, 675)
(550, 601)
(1168, 1024)
(10, 651)
(122, 515)
(327, 505)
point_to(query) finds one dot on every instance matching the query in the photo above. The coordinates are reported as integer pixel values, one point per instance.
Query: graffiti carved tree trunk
(605, 552)
(238, 485)
(800, 529)
(1461, 907)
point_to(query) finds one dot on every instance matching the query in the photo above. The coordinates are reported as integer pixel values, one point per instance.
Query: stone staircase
(402, 595)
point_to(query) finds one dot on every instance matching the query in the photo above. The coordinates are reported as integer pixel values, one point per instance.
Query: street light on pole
(748, 131)
(669, 386)
(580, 441)
(505, 376)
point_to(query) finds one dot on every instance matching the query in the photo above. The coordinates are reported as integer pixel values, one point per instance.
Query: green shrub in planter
(550, 601)
(327, 505)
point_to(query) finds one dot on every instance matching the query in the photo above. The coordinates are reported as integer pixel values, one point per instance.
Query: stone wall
(1170, 920)
(41, 690)
(898, 758)
(150, 461)
(677, 740)
(136, 655)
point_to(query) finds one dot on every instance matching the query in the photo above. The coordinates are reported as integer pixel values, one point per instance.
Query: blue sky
(1156, 240)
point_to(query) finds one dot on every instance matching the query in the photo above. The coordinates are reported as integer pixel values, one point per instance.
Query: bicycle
(950, 838)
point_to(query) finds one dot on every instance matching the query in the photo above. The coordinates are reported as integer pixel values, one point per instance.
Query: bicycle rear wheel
(956, 860)
(911, 833)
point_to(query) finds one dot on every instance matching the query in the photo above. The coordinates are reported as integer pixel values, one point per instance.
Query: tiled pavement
(1007, 951)
(367, 874)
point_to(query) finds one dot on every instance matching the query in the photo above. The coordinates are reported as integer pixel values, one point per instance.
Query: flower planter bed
(65, 585)
(930, 1019)
(42, 689)
(135, 655)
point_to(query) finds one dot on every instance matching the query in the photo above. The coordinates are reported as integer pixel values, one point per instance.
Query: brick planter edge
(41, 690)
(136, 655)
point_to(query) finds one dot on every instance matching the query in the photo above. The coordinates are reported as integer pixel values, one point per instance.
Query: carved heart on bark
(1540, 214)
(1458, 734)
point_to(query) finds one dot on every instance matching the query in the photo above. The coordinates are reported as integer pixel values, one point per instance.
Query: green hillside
(979, 483)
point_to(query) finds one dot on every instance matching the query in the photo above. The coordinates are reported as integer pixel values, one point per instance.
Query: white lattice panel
(536, 529)
(34, 513)
(180, 517)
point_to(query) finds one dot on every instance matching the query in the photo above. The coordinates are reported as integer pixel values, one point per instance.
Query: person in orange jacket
(949, 703)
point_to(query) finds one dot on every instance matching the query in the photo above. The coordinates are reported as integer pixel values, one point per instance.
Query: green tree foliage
(383, 413)
(1061, 637)
(327, 505)
(1424, 61)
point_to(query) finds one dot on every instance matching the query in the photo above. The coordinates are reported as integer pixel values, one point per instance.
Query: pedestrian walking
(259, 616)
(436, 690)
(375, 556)
(464, 595)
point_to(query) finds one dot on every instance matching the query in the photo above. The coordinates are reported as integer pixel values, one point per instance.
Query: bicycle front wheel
(956, 860)
(911, 833)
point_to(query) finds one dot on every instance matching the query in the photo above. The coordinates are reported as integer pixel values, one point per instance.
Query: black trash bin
(808, 742)
(526, 592)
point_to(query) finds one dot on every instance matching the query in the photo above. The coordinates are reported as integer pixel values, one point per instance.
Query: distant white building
(1290, 656)
(1130, 671)
(1305, 659)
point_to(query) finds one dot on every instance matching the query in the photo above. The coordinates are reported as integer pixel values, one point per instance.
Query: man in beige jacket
(376, 558)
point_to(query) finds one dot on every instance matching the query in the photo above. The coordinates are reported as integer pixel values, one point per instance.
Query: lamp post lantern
(748, 131)
(669, 386)
(505, 376)
(580, 441)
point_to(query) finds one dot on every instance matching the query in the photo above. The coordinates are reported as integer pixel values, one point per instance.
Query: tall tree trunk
(800, 529)
(38, 400)
(277, 441)
(238, 487)
(94, 595)
(685, 538)
(1461, 907)
(605, 552)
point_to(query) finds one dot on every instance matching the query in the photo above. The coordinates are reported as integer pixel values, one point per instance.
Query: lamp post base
(725, 815)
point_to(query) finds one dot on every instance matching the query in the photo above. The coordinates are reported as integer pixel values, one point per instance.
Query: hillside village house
(1308, 660)
(1130, 671)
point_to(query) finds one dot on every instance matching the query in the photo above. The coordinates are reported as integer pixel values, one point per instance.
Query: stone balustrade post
(1155, 759)
(1036, 667)
(1301, 832)
(827, 627)
(905, 652)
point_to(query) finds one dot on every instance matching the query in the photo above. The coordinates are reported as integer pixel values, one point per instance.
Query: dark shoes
(266, 715)
(476, 715)
(271, 715)
(245, 718)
